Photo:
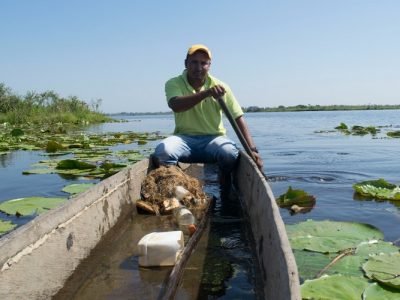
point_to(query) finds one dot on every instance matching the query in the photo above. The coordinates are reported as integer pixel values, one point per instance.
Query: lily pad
(329, 236)
(77, 188)
(376, 291)
(29, 205)
(312, 264)
(58, 153)
(394, 134)
(110, 165)
(68, 164)
(365, 250)
(130, 155)
(38, 171)
(76, 172)
(295, 197)
(27, 147)
(6, 226)
(342, 126)
(361, 130)
(53, 146)
(379, 189)
(17, 132)
(384, 268)
(349, 265)
(379, 183)
(336, 287)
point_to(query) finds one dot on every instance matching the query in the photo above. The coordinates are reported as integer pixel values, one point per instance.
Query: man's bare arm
(183, 103)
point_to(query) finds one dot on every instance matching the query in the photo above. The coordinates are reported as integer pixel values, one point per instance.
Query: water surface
(298, 149)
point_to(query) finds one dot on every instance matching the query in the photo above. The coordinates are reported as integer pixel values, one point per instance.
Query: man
(199, 135)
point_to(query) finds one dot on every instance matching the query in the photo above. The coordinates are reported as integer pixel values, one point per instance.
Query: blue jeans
(198, 149)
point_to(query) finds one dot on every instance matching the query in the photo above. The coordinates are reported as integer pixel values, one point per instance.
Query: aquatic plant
(379, 189)
(393, 134)
(342, 126)
(6, 226)
(29, 205)
(344, 260)
(296, 200)
(357, 129)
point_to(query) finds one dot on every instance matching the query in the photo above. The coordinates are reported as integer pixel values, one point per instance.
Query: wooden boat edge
(24, 259)
(277, 263)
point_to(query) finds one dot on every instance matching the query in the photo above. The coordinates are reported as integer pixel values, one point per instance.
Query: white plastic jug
(160, 248)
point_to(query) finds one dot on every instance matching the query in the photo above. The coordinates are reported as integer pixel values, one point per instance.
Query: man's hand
(217, 91)
(259, 162)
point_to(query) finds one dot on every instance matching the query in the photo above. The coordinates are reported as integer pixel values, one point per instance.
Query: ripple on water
(287, 153)
(327, 177)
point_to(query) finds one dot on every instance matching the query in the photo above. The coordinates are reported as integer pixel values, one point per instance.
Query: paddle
(237, 130)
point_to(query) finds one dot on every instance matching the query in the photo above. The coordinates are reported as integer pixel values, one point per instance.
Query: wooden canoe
(280, 277)
(38, 258)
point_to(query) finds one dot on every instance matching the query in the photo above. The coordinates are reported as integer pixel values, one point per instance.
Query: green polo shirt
(205, 118)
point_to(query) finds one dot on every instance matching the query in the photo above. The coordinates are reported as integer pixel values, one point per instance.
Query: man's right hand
(217, 91)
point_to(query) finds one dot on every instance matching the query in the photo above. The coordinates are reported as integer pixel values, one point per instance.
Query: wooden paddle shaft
(236, 128)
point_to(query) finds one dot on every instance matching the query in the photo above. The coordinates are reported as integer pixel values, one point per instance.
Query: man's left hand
(259, 162)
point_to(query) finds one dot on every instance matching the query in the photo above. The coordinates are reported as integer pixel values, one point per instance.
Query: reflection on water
(5, 159)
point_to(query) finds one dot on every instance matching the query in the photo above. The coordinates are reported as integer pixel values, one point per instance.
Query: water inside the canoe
(222, 265)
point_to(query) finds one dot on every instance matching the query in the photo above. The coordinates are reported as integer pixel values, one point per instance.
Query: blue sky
(271, 53)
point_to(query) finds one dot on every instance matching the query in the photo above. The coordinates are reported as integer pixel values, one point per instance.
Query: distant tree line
(46, 107)
(309, 107)
(124, 113)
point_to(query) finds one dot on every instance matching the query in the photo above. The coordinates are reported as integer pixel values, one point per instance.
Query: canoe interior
(42, 255)
(112, 269)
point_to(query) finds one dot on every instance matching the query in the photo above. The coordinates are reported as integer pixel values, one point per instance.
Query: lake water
(298, 151)
(325, 164)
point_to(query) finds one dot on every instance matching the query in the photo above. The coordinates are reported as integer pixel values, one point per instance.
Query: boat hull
(276, 260)
(37, 258)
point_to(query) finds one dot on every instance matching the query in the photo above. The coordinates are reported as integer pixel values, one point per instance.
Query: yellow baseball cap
(199, 47)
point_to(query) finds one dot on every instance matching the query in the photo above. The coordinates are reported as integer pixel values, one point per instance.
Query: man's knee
(166, 152)
(161, 155)
(227, 158)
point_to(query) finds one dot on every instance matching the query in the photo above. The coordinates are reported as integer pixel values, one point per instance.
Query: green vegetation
(364, 130)
(77, 188)
(309, 107)
(6, 226)
(357, 129)
(296, 197)
(378, 189)
(394, 134)
(344, 260)
(30, 205)
(47, 108)
(342, 126)
(88, 156)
